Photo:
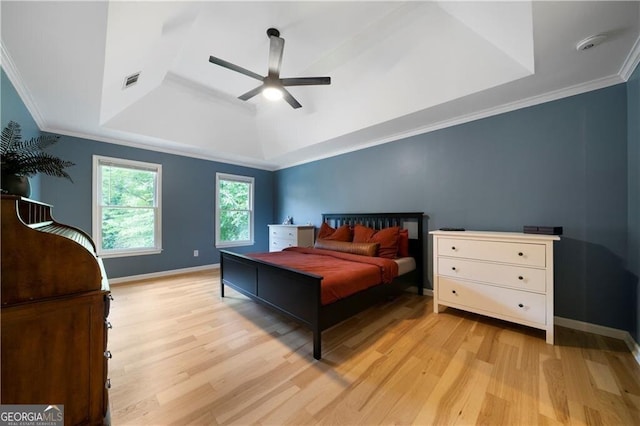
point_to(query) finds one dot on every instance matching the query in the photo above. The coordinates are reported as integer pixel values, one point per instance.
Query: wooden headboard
(410, 221)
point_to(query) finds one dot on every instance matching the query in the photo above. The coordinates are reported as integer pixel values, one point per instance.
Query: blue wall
(12, 109)
(188, 193)
(633, 135)
(562, 163)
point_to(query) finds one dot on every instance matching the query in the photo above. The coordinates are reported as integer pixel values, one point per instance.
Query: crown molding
(631, 62)
(488, 112)
(166, 150)
(18, 83)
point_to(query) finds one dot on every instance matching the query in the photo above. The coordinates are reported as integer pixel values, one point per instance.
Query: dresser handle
(520, 305)
(107, 355)
(520, 253)
(520, 277)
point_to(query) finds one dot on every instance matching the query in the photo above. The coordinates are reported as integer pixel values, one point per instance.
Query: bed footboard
(293, 293)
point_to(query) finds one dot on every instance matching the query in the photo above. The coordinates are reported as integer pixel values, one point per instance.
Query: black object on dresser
(54, 307)
(544, 230)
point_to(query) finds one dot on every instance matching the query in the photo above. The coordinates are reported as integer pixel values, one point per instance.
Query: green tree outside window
(127, 207)
(235, 206)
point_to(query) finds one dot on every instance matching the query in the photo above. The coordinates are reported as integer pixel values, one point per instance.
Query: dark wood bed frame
(296, 294)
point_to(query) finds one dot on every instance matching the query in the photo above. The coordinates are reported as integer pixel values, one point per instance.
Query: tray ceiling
(397, 69)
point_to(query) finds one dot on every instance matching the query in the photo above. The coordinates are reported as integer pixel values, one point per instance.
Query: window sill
(234, 244)
(127, 253)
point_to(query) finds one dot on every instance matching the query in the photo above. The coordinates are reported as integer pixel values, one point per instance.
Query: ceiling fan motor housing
(273, 32)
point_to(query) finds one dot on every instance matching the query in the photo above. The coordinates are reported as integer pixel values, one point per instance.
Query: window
(126, 207)
(234, 210)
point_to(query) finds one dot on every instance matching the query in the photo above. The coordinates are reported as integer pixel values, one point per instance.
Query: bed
(298, 294)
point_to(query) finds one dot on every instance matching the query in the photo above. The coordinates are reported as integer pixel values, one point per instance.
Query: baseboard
(414, 290)
(633, 347)
(123, 280)
(623, 335)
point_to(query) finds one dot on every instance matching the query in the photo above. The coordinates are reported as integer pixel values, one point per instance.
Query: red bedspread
(343, 273)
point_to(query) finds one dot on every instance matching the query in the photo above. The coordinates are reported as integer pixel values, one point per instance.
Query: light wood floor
(183, 355)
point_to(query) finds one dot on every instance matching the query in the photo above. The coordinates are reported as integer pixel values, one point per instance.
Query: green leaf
(27, 158)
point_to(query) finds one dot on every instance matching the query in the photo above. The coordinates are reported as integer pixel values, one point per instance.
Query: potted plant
(21, 159)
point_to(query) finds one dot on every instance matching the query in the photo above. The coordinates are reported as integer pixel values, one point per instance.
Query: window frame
(236, 178)
(99, 160)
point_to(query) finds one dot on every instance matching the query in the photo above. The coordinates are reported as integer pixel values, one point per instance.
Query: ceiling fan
(273, 87)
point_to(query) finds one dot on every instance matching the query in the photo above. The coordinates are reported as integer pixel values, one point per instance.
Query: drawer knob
(108, 324)
(453, 291)
(520, 305)
(453, 268)
(107, 355)
(520, 253)
(453, 247)
(520, 277)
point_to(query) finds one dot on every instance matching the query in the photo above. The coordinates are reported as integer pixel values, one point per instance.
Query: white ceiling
(397, 69)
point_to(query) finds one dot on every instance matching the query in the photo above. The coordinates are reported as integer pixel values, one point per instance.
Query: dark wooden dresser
(54, 298)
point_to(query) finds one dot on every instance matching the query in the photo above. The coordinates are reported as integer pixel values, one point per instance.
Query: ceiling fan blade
(276, 47)
(305, 81)
(251, 93)
(234, 67)
(290, 99)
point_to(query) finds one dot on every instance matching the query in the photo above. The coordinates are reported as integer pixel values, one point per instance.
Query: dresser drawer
(283, 233)
(496, 251)
(277, 244)
(488, 299)
(518, 277)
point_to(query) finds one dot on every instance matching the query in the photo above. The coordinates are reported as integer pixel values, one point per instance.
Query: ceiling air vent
(131, 80)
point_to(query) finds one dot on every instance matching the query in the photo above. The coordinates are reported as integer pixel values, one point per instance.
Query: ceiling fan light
(272, 93)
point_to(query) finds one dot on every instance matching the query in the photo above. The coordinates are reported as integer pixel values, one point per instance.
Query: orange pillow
(403, 243)
(343, 233)
(362, 249)
(387, 238)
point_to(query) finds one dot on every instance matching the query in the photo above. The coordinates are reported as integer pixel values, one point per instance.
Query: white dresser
(506, 275)
(283, 236)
